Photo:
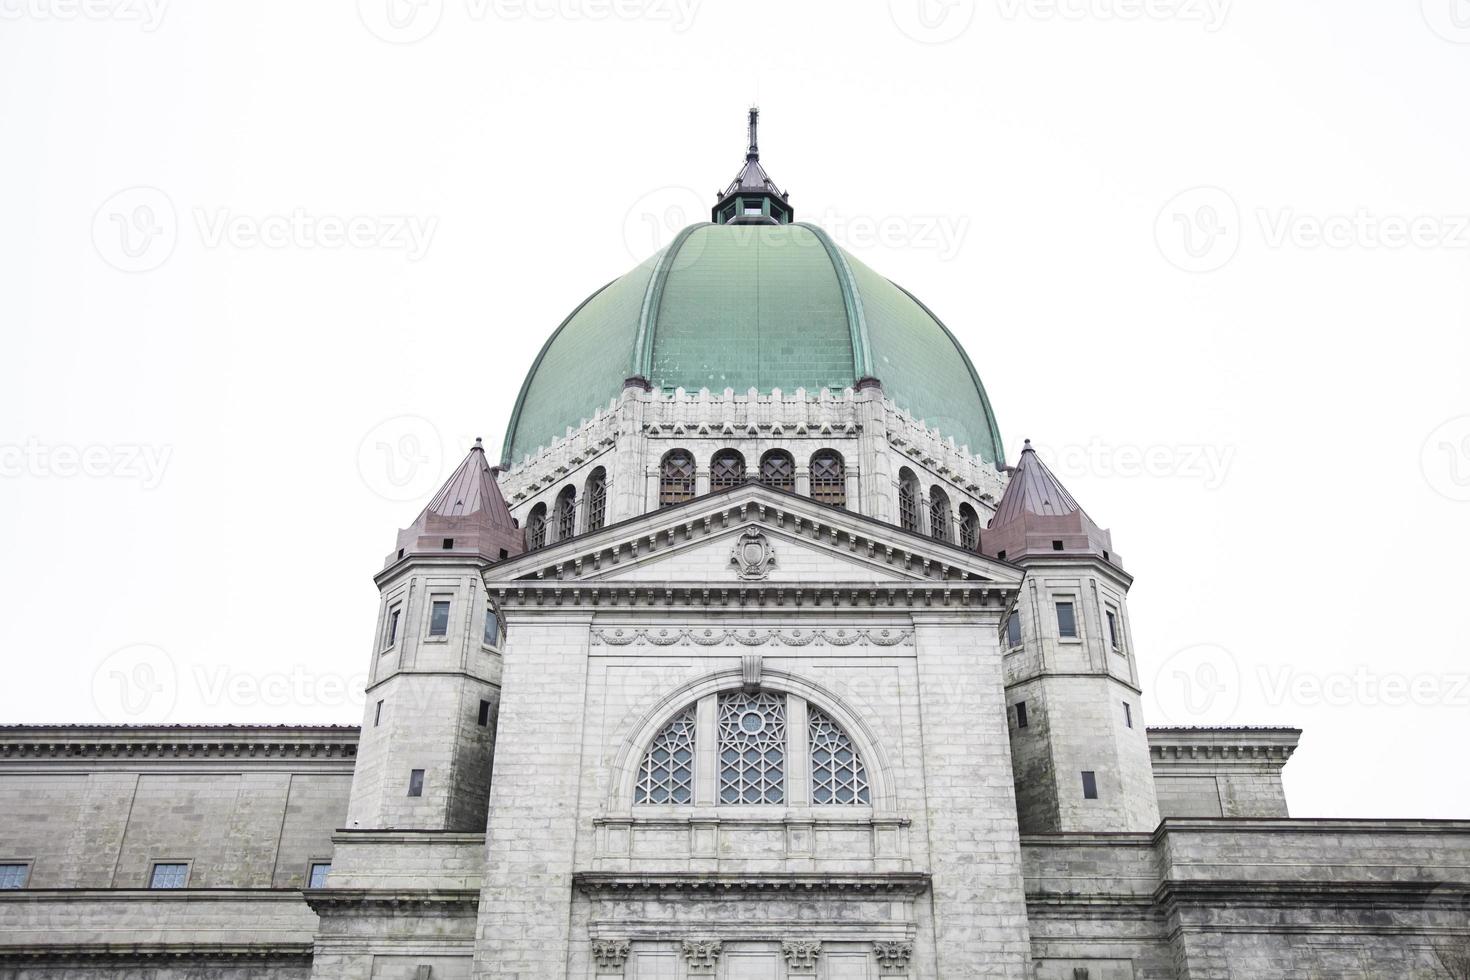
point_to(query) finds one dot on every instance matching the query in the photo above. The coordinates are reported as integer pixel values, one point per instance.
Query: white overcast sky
(1211, 256)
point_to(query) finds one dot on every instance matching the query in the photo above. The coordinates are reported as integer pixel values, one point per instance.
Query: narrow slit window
(378, 714)
(1113, 630)
(484, 718)
(1127, 714)
(1021, 720)
(416, 782)
(1089, 784)
(1013, 630)
(492, 627)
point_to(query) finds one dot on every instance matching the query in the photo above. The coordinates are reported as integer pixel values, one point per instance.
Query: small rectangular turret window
(13, 876)
(448, 543)
(1113, 630)
(1021, 720)
(1089, 784)
(378, 714)
(1056, 545)
(1013, 630)
(392, 636)
(318, 876)
(484, 719)
(416, 782)
(492, 627)
(1067, 620)
(1127, 714)
(439, 618)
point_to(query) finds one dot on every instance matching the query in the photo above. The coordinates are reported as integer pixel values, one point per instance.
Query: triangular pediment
(754, 535)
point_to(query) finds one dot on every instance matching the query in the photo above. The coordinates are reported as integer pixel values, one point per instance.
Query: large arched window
(743, 754)
(726, 470)
(778, 471)
(908, 500)
(595, 499)
(536, 528)
(941, 518)
(566, 513)
(829, 479)
(676, 478)
(969, 528)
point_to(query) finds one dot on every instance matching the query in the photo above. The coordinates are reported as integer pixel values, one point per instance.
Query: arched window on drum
(829, 478)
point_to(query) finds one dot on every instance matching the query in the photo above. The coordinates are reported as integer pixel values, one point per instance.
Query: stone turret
(434, 680)
(1078, 745)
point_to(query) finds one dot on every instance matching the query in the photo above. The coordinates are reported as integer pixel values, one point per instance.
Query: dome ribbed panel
(921, 368)
(584, 365)
(752, 306)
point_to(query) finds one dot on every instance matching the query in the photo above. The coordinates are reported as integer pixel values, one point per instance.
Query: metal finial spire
(754, 153)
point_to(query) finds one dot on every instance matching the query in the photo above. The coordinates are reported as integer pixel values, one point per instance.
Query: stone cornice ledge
(397, 901)
(193, 953)
(181, 742)
(894, 883)
(1296, 894)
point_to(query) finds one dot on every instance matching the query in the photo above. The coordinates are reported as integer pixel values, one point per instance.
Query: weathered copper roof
(467, 515)
(1037, 518)
(1034, 489)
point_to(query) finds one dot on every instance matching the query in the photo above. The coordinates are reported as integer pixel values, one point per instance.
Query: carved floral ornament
(610, 953)
(752, 555)
(893, 955)
(801, 954)
(702, 954)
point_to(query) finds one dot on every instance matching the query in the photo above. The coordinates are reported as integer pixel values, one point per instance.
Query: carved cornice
(194, 954)
(712, 637)
(765, 595)
(1221, 894)
(907, 883)
(393, 902)
(1274, 746)
(183, 742)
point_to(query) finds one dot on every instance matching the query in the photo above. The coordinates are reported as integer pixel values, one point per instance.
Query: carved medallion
(752, 555)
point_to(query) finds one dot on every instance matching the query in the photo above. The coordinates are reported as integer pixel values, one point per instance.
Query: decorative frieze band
(663, 637)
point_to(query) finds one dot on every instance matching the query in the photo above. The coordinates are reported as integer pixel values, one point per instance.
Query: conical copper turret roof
(1038, 517)
(467, 516)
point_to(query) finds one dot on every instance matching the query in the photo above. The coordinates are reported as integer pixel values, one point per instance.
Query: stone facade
(875, 713)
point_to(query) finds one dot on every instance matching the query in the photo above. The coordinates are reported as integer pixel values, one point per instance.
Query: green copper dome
(752, 306)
